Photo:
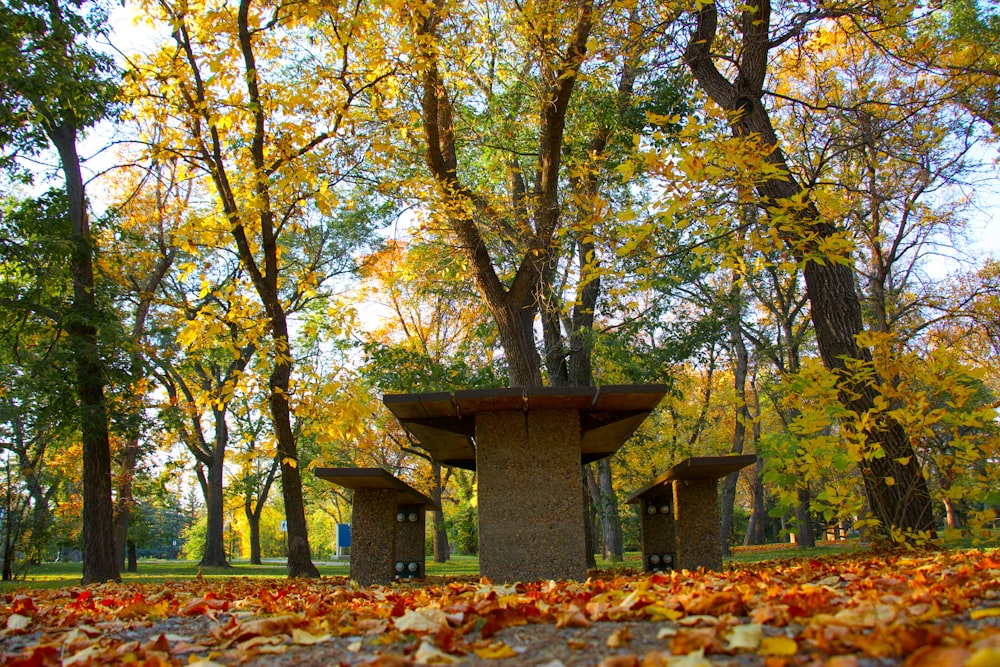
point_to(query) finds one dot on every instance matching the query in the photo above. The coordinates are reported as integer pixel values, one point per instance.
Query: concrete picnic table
(527, 446)
(387, 524)
(680, 521)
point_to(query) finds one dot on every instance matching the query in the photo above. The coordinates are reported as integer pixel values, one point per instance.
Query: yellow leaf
(984, 657)
(289, 461)
(303, 638)
(778, 646)
(984, 613)
(496, 651)
(890, 481)
(746, 636)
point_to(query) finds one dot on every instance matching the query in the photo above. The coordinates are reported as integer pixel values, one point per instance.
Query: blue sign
(343, 535)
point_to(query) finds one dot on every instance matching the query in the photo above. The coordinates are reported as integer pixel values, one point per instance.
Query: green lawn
(55, 575)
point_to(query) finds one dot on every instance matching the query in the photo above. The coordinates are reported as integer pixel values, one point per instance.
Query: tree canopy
(769, 207)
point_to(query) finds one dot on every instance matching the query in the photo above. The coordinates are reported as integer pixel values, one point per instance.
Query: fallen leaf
(976, 614)
(746, 637)
(984, 657)
(690, 640)
(428, 654)
(620, 661)
(496, 651)
(939, 656)
(18, 622)
(778, 646)
(423, 620)
(301, 637)
(572, 618)
(619, 638)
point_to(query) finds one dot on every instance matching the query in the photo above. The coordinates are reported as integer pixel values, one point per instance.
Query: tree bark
(254, 510)
(894, 483)
(611, 523)
(757, 528)
(100, 562)
(214, 554)
(441, 547)
(741, 367)
(265, 282)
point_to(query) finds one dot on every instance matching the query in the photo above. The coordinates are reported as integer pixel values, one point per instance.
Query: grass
(56, 575)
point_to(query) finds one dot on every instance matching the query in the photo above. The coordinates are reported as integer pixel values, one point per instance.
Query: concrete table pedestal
(388, 523)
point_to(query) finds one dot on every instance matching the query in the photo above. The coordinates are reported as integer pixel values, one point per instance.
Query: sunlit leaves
(918, 608)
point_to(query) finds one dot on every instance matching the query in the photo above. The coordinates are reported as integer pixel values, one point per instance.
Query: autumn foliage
(937, 608)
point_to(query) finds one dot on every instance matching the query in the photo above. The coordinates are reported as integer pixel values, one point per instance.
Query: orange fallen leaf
(689, 640)
(939, 656)
(496, 651)
(620, 661)
(619, 637)
(572, 618)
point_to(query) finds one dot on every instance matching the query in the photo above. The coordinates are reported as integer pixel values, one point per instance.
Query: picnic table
(680, 522)
(527, 446)
(387, 524)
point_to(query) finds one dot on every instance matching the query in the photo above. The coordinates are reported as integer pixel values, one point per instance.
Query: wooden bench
(679, 510)
(388, 524)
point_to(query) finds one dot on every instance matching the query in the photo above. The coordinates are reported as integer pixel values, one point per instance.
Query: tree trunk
(741, 368)
(441, 547)
(805, 534)
(255, 558)
(215, 541)
(133, 560)
(611, 523)
(757, 528)
(590, 515)
(124, 501)
(299, 556)
(893, 481)
(253, 511)
(100, 561)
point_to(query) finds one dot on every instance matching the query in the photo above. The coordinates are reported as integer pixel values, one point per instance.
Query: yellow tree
(903, 506)
(506, 230)
(261, 101)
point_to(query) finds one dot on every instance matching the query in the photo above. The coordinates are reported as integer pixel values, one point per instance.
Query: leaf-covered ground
(866, 610)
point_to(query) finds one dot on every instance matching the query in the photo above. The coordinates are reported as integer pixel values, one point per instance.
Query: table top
(443, 423)
(375, 478)
(695, 467)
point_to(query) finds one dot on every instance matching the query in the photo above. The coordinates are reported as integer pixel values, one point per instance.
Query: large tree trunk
(299, 556)
(265, 280)
(893, 481)
(100, 562)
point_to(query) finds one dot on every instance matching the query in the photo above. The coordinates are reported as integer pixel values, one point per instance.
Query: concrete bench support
(680, 514)
(388, 522)
(530, 499)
